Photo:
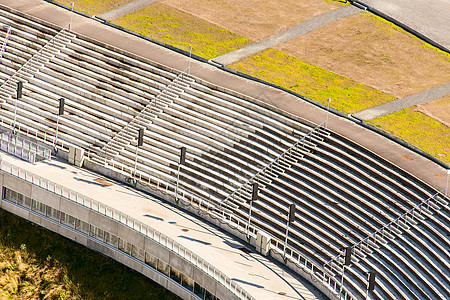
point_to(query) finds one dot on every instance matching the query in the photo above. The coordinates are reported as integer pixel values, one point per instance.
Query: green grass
(311, 81)
(169, 25)
(419, 130)
(36, 263)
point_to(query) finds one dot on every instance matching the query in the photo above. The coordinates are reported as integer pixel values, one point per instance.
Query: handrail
(34, 57)
(147, 107)
(28, 150)
(395, 222)
(302, 140)
(2, 50)
(128, 221)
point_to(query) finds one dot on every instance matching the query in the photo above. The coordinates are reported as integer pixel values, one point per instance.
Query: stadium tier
(345, 195)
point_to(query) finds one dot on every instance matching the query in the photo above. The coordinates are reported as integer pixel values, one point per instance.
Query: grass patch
(372, 51)
(311, 81)
(38, 264)
(94, 7)
(169, 25)
(419, 130)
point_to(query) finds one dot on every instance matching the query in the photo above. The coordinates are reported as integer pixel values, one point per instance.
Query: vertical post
(290, 219)
(71, 16)
(181, 162)
(328, 110)
(347, 261)
(60, 113)
(371, 282)
(18, 96)
(254, 197)
(446, 188)
(190, 56)
(140, 142)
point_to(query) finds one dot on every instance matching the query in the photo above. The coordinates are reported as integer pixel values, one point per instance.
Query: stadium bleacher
(343, 192)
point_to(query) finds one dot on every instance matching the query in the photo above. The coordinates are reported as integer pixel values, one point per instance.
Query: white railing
(23, 148)
(131, 222)
(400, 222)
(282, 157)
(129, 127)
(28, 66)
(29, 131)
(2, 50)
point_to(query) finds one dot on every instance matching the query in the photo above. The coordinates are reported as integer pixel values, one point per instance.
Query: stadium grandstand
(348, 220)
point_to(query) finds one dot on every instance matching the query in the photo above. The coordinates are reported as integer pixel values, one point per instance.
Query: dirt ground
(438, 109)
(255, 19)
(94, 7)
(373, 52)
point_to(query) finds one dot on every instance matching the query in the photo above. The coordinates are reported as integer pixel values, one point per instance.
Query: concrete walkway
(396, 105)
(124, 9)
(259, 276)
(293, 32)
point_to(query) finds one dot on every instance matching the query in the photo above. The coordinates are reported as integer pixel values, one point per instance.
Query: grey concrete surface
(293, 32)
(431, 18)
(124, 9)
(396, 105)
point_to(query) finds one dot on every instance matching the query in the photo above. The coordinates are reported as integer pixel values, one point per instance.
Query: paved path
(262, 278)
(293, 32)
(431, 18)
(396, 105)
(125, 9)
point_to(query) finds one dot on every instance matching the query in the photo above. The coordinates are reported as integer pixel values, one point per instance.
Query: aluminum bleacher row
(342, 191)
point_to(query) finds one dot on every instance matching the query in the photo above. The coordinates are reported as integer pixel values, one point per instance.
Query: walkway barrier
(117, 215)
(23, 148)
(224, 215)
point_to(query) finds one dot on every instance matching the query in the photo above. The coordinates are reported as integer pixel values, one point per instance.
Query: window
(187, 282)
(175, 275)
(199, 290)
(151, 260)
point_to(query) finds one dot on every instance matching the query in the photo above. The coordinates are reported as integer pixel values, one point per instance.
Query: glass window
(163, 267)
(187, 282)
(151, 260)
(175, 275)
(210, 296)
(199, 290)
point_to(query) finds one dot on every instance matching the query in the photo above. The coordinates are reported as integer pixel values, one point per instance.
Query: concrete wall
(124, 244)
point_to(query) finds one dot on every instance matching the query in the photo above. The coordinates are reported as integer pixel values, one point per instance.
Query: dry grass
(438, 109)
(311, 81)
(171, 26)
(419, 130)
(94, 7)
(255, 19)
(38, 264)
(374, 52)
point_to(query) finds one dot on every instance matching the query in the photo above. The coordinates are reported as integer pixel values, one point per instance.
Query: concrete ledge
(132, 241)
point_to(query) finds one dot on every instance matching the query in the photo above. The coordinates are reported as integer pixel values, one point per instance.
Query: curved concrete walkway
(396, 105)
(293, 32)
(256, 274)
